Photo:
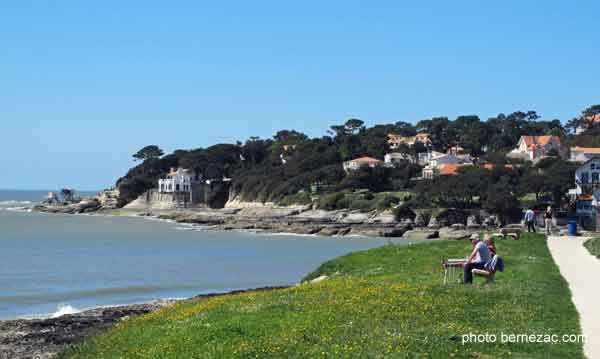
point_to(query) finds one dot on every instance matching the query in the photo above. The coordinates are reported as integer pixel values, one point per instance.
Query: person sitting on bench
(489, 242)
(478, 258)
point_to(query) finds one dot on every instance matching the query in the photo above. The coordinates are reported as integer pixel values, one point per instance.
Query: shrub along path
(387, 302)
(582, 271)
(593, 245)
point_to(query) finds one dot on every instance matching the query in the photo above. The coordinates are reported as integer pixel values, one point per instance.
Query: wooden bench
(489, 276)
(514, 233)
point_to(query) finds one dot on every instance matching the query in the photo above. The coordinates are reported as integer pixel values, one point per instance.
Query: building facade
(361, 162)
(586, 193)
(178, 180)
(534, 148)
(583, 154)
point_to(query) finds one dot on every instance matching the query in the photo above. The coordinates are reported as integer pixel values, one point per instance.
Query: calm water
(51, 263)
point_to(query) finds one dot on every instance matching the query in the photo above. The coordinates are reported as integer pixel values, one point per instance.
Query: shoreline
(285, 220)
(43, 338)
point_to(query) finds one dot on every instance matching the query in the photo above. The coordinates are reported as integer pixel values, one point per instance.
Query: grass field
(593, 245)
(387, 302)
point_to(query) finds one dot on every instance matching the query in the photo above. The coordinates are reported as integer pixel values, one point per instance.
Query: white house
(180, 180)
(586, 193)
(444, 159)
(583, 154)
(534, 148)
(587, 178)
(393, 158)
(358, 163)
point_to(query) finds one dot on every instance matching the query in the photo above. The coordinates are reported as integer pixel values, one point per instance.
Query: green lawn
(593, 245)
(387, 302)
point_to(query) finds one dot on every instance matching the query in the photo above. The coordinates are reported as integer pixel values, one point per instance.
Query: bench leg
(445, 276)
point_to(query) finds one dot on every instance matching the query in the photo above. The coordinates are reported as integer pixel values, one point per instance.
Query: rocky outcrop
(43, 338)
(473, 221)
(422, 219)
(452, 216)
(454, 232)
(83, 206)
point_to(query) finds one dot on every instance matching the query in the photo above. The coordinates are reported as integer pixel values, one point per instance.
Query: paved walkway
(582, 271)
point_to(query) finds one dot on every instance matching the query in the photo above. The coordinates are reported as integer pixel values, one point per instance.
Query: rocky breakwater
(43, 338)
(83, 206)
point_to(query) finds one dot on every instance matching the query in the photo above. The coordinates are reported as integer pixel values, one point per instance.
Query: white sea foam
(14, 203)
(64, 310)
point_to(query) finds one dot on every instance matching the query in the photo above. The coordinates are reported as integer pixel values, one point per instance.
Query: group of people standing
(530, 216)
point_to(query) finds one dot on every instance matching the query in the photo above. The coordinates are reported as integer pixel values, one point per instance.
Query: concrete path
(582, 271)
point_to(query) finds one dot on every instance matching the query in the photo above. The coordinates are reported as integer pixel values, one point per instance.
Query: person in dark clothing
(548, 220)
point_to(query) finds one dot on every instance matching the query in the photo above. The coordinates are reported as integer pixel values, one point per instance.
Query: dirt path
(582, 271)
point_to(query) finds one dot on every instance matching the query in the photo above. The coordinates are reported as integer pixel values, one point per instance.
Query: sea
(52, 264)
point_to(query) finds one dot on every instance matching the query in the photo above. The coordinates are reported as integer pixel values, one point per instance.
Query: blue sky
(83, 85)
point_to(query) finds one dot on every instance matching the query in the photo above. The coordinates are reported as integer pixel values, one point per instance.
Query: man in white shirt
(478, 258)
(530, 220)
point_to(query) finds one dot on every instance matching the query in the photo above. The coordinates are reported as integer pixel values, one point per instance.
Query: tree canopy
(148, 152)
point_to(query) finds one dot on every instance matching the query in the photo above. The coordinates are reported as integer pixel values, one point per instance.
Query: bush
(330, 201)
(302, 198)
(360, 204)
(386, 201)
(404, 212)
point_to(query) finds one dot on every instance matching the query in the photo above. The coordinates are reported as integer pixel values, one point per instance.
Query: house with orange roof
(583, 154)
(361, 162)
(534, 148)
(451, 169)
(447, 169)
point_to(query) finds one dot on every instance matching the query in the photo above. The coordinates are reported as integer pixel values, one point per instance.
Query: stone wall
(213, 195)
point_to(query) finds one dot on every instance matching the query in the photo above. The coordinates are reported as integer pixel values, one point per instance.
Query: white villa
(587, 192)
(393, 158)
(177, 181)
(583, 154)
(587, 178)
(361, 162)
(534, 148)
(445, 159)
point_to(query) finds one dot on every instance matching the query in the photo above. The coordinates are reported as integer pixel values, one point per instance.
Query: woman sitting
(489, 242)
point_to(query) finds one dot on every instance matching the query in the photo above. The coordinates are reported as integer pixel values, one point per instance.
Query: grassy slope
(385, 302)
(593, 245)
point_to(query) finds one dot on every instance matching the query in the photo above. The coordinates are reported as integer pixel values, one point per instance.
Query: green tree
(148, 152)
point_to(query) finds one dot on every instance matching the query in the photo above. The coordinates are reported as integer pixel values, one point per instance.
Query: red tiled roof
(532, 141)
(366, 160)
(450, 169)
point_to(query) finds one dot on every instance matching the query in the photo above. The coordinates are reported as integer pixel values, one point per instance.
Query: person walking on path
(530, 220)
(548, 220)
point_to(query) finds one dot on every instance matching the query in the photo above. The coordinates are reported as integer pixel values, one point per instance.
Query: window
(585, 177)
(177, 187)
(595, 177)
(593, 166)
